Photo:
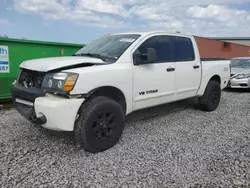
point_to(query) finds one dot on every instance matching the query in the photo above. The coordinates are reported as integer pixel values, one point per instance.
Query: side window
(162, 45)
(184, 50)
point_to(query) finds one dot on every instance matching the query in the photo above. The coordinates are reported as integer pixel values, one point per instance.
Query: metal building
(235, 40)
(210, 48)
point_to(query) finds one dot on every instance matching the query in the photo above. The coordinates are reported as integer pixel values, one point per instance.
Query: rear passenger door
(188, 68)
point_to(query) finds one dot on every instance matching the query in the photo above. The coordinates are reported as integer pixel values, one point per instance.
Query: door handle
(170, 69)
(196, 66)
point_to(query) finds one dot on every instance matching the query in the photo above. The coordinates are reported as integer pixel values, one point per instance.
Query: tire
(93, 134)
(211, 97)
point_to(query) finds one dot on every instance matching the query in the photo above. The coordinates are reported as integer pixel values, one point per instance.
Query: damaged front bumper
(26, 109)
(24, 98)
(50, 111)
(60, 112)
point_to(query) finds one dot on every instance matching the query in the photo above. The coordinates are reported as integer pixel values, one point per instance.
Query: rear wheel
(100, 124)
(211, 97)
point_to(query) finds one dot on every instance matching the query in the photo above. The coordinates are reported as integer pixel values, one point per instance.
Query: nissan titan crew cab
(92, 91)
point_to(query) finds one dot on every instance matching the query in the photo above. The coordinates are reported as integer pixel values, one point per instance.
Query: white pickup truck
(92, 91)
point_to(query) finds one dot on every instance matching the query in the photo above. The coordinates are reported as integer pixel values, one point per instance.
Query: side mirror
(148, 57)
(151, 55)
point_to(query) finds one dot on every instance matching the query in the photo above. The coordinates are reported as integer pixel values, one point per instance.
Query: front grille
(243, 85)
(31, 79)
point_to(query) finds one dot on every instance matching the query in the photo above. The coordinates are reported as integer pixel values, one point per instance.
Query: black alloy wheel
(104, 125)
(211, 97)
(100, 124)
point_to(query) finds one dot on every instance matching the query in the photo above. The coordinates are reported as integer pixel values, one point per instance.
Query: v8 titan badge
(4, 59)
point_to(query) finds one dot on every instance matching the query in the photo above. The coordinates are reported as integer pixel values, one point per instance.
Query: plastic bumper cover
(239, 83)
(60, 113)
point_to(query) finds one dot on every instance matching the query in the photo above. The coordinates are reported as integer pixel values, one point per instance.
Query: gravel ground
(174, 145)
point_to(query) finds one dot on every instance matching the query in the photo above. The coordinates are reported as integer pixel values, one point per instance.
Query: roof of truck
(144, 33)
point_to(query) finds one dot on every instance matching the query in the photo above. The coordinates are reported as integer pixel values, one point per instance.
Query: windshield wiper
(94, 55)
(102, 57)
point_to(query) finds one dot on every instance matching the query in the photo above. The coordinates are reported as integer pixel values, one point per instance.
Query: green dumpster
(14, 51)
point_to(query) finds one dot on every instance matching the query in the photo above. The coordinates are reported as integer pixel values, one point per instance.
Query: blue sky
(80, 21)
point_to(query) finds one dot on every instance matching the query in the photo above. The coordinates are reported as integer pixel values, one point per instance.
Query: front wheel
(100, 124)
(211, 97)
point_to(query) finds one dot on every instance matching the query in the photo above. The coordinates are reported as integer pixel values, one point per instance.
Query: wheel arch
(111, 92)
(215, 78)
(205, 82)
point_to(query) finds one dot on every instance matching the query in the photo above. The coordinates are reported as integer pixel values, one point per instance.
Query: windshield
(108, 48)
(240, 63)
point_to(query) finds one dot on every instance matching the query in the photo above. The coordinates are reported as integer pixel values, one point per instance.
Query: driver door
(154, 83)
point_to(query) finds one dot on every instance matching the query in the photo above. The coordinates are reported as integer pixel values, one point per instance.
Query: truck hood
(52, 63)
(236, 70)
